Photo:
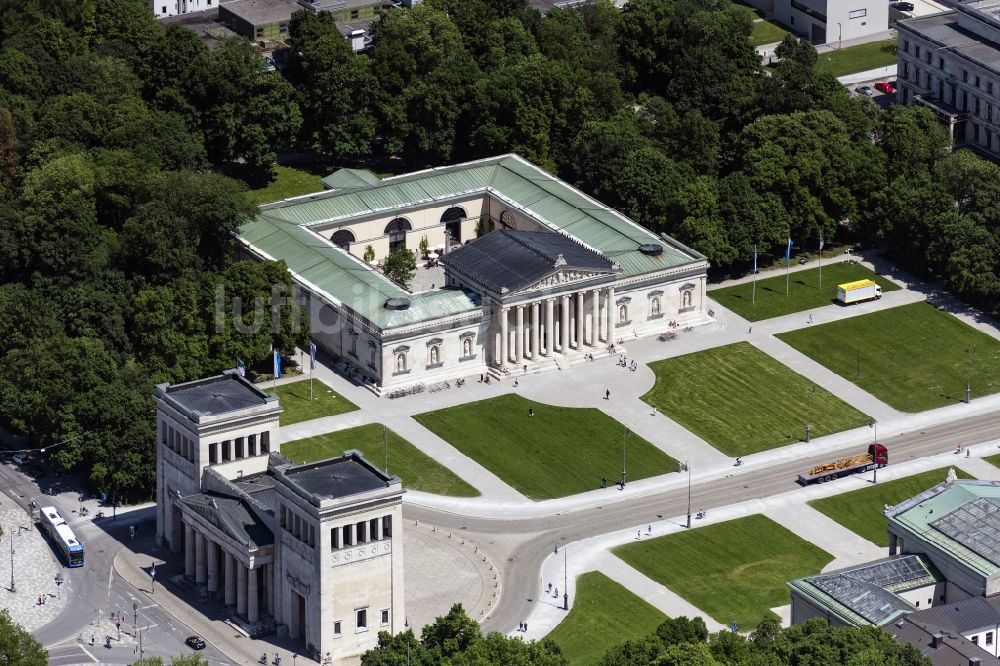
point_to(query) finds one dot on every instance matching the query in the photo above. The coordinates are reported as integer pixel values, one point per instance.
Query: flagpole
(787, 270)
(753, 297)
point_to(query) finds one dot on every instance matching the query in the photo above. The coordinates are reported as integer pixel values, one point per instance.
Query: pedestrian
(557, 593)
(531, 411)
(526, 626)
(958, 448)
(607, 394)
(810, 319)
(638, 535)
(649, 529)
(750, 330)
(92, 639)
(480, 378)
(968, 452)
(525, 368)
(515, 383)
(654, 411)
(550, 587)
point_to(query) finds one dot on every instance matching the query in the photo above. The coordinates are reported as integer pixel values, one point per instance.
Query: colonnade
(241, 585)
(557, 324)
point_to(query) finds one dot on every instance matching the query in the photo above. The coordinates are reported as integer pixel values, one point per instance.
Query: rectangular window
(977, 106)
(906, 70)
(334, 538)
(965, 75)
(975, 640)
(928, 80)
(975, 132)
(989, 638)
(354, 13)
(989, 87)
(385, 622)
(260, 32)
(361, 532)
(857, 13)
(283, 28)
(373, 531)
(346, 531)
(213, 453)
(940, 63)
(252, 445)
(163, 9)
(386, 527)
(929, 58)
(918, 604)
(336, 628)
(226, 450)
(361, 616)
(906, 46)
(916, 50)
(239, 448)
(977, 81)
(265, 442)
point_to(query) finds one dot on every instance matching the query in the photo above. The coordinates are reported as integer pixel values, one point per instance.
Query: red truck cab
(879, 454)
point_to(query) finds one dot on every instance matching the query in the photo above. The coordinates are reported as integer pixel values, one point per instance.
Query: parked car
(195, 642)
(865, 90)
(20, 458)
(885, 86)
(902, 6)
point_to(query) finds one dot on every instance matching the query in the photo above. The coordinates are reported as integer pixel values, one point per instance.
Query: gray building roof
(262, 12)
(944, 29)
(942, 646)
(976, 525)
(213, 396)
(231, 515)
(334, 478)
(509, 260)
(869, 593)
(963, 616)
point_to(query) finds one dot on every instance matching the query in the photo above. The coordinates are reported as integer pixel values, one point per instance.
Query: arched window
(622, 313)
(371, 358)
(342, 238)
(396, 230)
(452, 220)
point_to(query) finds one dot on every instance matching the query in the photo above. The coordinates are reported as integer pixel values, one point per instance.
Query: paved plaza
(35, 569)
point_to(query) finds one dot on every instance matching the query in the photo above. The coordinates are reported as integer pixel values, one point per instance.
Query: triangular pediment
(565, 277)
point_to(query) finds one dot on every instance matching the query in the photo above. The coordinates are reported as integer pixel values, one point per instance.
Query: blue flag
(820, 241)
(788, 251)
(733, 627)
(312, 356)
(277, 365)
(755, 259)
(240, 368)
(152, 571)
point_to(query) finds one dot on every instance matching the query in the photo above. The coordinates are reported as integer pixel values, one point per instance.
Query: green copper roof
(511, 179)
(919, 514)
(344, 279)
(281, 230)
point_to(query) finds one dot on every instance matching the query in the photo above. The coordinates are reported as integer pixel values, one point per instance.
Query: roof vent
(397, 304)
(652, 249)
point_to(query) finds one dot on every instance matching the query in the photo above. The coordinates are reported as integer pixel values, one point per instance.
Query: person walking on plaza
(654, 411)
(607, 394)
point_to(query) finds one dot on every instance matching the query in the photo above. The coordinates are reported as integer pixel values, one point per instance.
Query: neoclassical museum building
(536, 274)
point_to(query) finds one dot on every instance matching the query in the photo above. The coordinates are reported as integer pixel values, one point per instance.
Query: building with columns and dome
(536, 274)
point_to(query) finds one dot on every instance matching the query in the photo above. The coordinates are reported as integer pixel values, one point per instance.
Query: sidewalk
(789, 509)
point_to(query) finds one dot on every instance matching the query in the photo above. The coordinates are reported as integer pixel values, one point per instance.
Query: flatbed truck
(877, 456)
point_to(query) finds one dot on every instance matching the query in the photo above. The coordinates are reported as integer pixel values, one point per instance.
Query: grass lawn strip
(765, 32)
(296, 405)
(861, 510)
(741, 401)
(604, 614)
(804, 292)
(993, 460)
(557, 452)
(860, 58)
(290, 182)
(417, 470)
(732, 570)
(911, 357)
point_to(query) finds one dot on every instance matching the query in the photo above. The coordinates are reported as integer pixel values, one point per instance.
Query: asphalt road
(520, 546)
(94, 590)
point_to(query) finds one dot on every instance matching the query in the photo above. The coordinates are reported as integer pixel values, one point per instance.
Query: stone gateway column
(580, 316)
(595, 322)
(230, 579)
(519, 337)
(564, 324)
(200, 570)
(189, 551)
(550, 338)
(504, 337)
(535, 325)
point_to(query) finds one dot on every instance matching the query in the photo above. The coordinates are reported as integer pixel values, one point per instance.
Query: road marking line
(149, 606)
(96, 660)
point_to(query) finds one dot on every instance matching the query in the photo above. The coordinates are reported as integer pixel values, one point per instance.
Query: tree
(9, 155)
(400, 266)
(369, 255)
(17, 646)
(424, 245)
(451, 634)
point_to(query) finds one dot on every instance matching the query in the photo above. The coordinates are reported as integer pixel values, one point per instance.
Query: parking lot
(881, 98)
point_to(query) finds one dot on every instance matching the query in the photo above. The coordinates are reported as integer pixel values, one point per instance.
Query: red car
(885, 87)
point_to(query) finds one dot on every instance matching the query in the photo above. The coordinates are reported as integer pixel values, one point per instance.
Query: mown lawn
(417, 470)
(557, 452)
(858, 58)
(804, 292)
(732, 570)
(604, 614)
(765, 32)
(290, 182)
(913, 357)
(861, 511)
(993, 460)
(740, 400)
(296, 405)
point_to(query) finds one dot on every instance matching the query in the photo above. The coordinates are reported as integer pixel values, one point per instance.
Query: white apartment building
(828, 21)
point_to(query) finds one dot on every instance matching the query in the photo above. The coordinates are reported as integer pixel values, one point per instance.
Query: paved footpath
(788, 509)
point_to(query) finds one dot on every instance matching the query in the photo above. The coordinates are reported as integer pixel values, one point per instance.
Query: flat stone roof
(945, 29)
(260, 12)
(336, 478)
(214, 396)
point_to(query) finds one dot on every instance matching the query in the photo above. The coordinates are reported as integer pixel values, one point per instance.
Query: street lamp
(624, 439)
(565, 582)
(685, 467)
(970, 355)
(874, 424)
(840, 36)
(809, 411)
(12, 587)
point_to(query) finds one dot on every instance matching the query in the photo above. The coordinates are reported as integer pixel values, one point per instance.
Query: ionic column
(269, 582)
(504, 337)
(564, 324)
(611, 315)
(241, 588)
(188, 551)
(550, 339)
(230, 579)
(213, 567)
(253, 596)
(199, 558)
(595, 322)
(578, 310)
(535, 325)
(519, 337)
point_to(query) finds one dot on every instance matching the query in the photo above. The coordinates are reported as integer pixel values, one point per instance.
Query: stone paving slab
(35, 569)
